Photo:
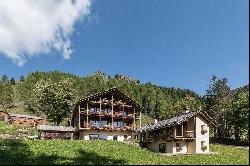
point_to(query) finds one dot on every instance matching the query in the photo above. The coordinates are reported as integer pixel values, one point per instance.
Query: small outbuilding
(55, 132)
(187, 133)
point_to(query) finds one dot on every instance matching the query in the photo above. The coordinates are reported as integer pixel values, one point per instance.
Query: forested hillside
(53, 94)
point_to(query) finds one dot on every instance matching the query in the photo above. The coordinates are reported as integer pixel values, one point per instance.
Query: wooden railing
(120, 114)
(108, 127)
(189, 134)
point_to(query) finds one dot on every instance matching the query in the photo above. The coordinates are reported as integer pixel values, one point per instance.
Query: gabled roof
(177, 121)
(113, 90)
(54, 128)
(24, 116)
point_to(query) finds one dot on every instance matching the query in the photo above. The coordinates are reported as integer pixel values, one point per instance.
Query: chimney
(156, 120)
(187, 110)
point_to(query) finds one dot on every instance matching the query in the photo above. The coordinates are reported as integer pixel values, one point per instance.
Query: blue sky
(172, 43)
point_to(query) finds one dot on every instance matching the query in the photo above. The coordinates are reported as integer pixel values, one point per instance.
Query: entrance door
(162, 148)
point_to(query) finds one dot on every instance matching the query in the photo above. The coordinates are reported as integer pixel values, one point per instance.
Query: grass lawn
(106, 152)
(6, 128)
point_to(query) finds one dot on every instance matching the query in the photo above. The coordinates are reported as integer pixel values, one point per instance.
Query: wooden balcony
(169, 136)
(95, 126)
(190, 134)
(117, 115)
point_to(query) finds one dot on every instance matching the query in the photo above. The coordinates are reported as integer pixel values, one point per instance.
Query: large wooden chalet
(108, 115)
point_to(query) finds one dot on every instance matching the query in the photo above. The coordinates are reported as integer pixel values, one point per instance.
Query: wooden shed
(55, 132)
(27, 120)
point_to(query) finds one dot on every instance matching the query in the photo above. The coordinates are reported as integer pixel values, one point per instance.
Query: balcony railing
(120, 114)
(109, 127)
(169, 135)
(190, 134)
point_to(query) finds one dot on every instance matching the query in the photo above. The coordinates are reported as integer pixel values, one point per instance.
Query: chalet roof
(177, 121)
(116, 91)
(54, 128)
(25, 116)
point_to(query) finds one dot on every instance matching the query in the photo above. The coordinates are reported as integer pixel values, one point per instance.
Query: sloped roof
(54, 128)
(116, 91)
(25, 116)
(177, 121)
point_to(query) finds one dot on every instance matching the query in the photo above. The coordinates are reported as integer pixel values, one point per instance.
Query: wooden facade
(109, 112)
(55, 132)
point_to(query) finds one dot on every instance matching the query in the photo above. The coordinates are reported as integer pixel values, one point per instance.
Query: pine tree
(22, 78)
(4, 78)
(218, 104)
(12, 81)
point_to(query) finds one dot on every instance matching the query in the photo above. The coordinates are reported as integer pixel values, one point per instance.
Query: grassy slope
(106, 152)
(15, 130)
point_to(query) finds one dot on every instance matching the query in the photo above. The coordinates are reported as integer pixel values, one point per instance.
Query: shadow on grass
(91, 158)
(15, 152)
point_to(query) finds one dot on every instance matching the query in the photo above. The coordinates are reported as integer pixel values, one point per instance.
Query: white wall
(154, 146)
(183, 145)
(191, 147)
(199, 137)
(170, 146)
(120, 135)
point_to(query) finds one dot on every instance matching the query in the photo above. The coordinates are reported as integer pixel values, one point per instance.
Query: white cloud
(31, 27)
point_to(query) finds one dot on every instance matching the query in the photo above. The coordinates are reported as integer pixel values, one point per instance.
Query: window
(162, 148)
(98, 137)
(103, 137)
(178, 131)
(115, 124)
(203, 130)
(203, 146)
(119, 124)
(143, 136)
(103, 123)
(96, 109)
(91, 110)
(178, 148)
(95, 123)
(115, 137)
(93, 136)
(106, 110)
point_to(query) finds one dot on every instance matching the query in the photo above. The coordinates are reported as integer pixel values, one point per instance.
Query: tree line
(53, 94)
